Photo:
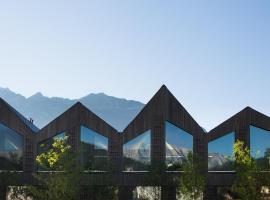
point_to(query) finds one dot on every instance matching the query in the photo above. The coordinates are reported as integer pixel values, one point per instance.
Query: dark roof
(23, 119)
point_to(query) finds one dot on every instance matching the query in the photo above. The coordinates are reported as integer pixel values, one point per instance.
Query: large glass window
(147, 192)
(137, 153)
(220, 153)
(45, 145)
(11, 149)
(178, 145)
(94, 150)
(260, 146)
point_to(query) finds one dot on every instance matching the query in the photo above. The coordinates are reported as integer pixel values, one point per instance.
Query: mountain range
(117, 112)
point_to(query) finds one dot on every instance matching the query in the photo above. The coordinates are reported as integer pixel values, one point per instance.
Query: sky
(212, 55)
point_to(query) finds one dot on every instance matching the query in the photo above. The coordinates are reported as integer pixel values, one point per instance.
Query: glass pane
(94, 150)
(178, 144)
(45, 145)
(260, 146)
(60, 136)
(137, 153)
(220, 153)
(146, 192)
(11, 148)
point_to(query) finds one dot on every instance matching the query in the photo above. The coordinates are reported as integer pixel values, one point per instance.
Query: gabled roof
(163, 104)
(247, 116)
(23, 119)
(76, 115)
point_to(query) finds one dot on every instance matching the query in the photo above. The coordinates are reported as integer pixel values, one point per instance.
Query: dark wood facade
(239, 124)
(13, 120)
(10, 118)
(161, 108)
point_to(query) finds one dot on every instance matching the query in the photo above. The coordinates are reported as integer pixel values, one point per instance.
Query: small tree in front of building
(249, 178)
(267, 155)
(60, 176)
(191, 182)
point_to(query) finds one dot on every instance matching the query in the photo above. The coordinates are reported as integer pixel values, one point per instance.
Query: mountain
(219, 162)
(115, 111)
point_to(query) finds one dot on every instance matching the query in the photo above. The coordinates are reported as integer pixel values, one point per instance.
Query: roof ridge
(22, 117)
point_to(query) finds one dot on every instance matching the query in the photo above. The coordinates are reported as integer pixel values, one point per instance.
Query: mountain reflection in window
(11, 145)
(220, 153)
(178, 145)
(94, 150)
(137, 153)
(260, 146)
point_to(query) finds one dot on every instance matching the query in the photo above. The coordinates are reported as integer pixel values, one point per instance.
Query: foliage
(60, 178)
(191, 182)
(154, 178)
(103, 192)
(10, 176)
(147, 193)
(249, 179)
(267, 156)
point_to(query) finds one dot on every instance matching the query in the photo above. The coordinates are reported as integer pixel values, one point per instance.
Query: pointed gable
(166, 107)
(13, 119)
(240, 122)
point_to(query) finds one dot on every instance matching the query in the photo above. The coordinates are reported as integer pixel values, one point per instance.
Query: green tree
(10, 176)
(60, 177)
(249, 179)
(191, 182)
(101, 192)
(267, 155)
(154, 178)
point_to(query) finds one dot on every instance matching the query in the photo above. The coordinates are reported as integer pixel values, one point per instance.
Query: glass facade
(147, 192)
(45, 145)
(260, 146)
(94, 150)
(136, 153)
(220, 153)
(11, 149)
(178, 145)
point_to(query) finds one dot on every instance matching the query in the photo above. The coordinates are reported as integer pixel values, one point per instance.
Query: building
(163, 132)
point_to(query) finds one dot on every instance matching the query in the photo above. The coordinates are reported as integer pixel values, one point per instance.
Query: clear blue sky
(213, 55)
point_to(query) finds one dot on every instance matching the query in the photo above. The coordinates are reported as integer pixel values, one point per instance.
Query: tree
(61, 176)
(191, 182)
(9, 176)
(249, 179)
(154, 178)
(267, 155)
(103, 192)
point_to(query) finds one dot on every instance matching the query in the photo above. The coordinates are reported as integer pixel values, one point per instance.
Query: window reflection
(137, 153)
(147, 192)
(11, 147)
(260, 146)
(45, 145)
(94, 150)
(178, 145)
(220, 153)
